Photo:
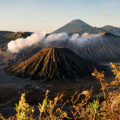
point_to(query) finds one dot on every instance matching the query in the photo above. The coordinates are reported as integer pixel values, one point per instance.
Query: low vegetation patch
(108, 109)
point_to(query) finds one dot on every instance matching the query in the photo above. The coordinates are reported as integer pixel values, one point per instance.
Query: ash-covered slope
(52, 63)
(104, 47)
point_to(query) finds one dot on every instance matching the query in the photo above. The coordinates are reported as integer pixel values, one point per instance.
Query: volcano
(74, 26)
(78, 26)
(102, 48)
(81, 27)
(52, 64)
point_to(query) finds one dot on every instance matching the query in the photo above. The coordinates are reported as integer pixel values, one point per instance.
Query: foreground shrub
(108, 109)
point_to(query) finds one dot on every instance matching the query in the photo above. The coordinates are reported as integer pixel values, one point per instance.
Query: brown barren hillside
(52, 63)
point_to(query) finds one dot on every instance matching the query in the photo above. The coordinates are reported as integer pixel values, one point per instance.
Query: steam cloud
(52, 40)
(83, 39)
(21, 43)
(57, 37)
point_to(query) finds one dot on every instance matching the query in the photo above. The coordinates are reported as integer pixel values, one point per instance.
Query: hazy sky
(48, 15)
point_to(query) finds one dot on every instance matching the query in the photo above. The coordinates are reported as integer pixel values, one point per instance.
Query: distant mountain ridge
(6, 36)
(111, 29)
(78, 26)
(73, 26)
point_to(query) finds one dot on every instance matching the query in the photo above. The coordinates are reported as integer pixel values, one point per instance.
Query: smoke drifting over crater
(56, 40)
(102, 48)
(52, 40)
(77, 41)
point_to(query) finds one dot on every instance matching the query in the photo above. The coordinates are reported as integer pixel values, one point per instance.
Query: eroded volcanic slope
(52, 63)
(103, 48)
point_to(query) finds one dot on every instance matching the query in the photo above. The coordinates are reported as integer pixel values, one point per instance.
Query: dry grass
(109, 109)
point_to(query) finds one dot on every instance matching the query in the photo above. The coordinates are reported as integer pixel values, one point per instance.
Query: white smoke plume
(83, 39)
(57, 40)
(52, 40)
(16, 45)
(57, 37)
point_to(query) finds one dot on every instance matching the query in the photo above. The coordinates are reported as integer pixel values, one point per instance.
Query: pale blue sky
(48, 15)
